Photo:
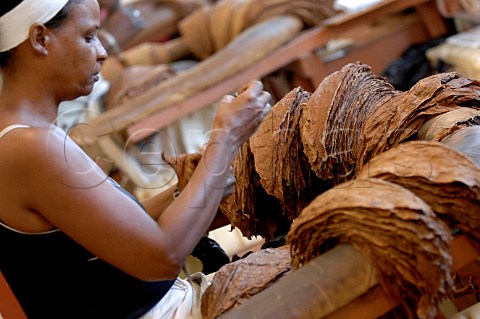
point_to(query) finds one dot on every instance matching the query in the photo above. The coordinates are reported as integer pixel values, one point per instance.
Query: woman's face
(75, 52)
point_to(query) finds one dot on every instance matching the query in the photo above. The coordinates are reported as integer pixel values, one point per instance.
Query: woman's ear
(38, 37)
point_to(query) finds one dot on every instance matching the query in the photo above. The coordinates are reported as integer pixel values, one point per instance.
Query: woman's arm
(59, 182)
(156, 205)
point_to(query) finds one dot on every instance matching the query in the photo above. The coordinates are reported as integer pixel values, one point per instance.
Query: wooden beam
(432, 19)
(330, 287)
(372, 304)
(320, 287)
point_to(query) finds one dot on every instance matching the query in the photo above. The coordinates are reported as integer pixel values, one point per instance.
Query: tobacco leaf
(445, 124)
(279, 158)
(354, 115)
(213, 28)
(444, 178)
(401, 117)
(184, 165)
(334, 116)
(250, 208)
(236, 282)
(396, 230)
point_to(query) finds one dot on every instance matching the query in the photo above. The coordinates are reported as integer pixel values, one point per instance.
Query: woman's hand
(230, 188)
(238, 117)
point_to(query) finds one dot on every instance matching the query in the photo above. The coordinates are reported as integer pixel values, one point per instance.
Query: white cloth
(16, 23)
(183, 300)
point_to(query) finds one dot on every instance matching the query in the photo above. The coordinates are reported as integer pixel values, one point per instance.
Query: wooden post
(325, 284)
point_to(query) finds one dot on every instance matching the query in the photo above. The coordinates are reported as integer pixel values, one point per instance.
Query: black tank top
(54, 277)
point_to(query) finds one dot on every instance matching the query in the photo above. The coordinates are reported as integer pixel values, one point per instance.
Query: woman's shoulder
(49, 148)
(20, 136)
(26, 140)
(25, 148)
(11, 127)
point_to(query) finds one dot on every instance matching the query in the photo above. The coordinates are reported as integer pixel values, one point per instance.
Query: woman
(72, 243)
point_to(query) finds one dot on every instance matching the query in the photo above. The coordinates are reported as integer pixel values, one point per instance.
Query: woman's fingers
(266, 109)
(265, 100)
(241, 115)
(227, 99)
(255, 86)
(230, 186)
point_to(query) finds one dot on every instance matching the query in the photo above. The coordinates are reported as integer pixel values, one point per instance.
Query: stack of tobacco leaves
(401, 117)
(438, 127)
(279, 158)
(444, 178)
(250, 208)
(354, 115)
(236, 282)
(194, 31)
(351, 117)
(211, 28)
(310, 12)
(184, 7)
(396, 230)
(334, 116)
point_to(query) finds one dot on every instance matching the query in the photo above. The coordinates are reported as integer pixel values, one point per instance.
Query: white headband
(15, 24)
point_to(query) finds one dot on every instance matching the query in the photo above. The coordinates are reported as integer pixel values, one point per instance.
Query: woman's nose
(101, 52)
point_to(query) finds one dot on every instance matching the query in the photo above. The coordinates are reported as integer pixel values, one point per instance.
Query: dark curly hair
(55, 22)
